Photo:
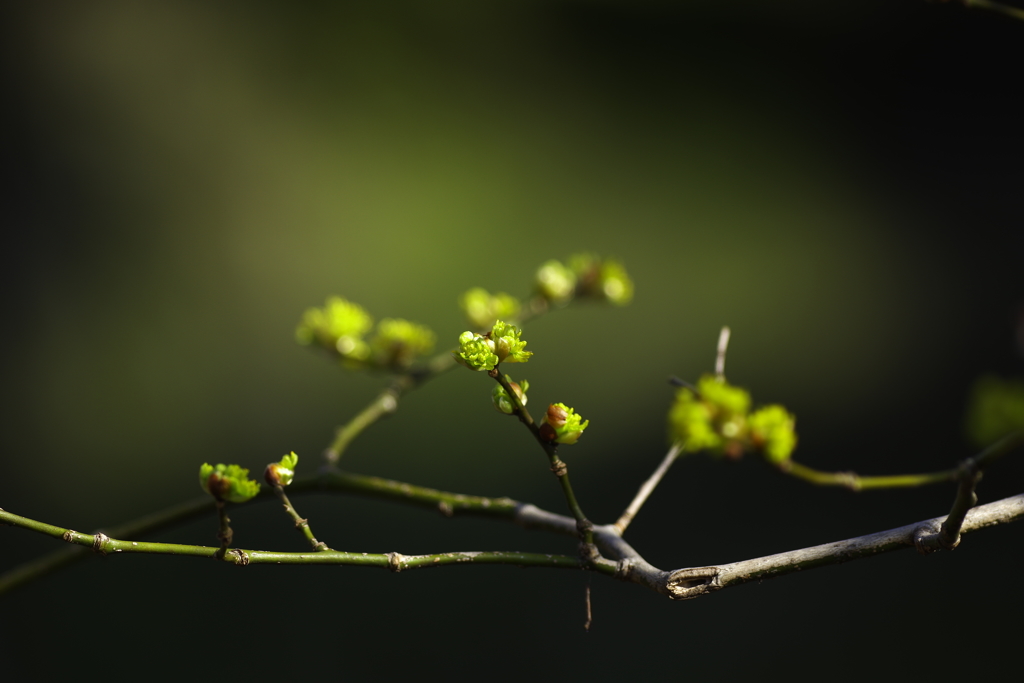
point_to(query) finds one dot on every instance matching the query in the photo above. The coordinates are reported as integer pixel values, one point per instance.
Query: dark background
(839, 182)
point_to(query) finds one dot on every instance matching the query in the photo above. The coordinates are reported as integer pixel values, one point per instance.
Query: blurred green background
(838, 182)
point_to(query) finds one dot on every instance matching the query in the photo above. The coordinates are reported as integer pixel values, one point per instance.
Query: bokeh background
(839, 182)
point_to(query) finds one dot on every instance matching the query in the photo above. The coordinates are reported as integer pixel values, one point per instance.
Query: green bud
(339, 327)
(690, 423)
(996, 409)
(398, 342)
(482, 308)
(723, 397)
(615, 284)
(227, 482)
(507, 345)
(712, 418)
(503, 402)
(601, 278)
(561, 424)
(555, 282)
(476, 352)
(772, 430)
(281, 473)
(716, 417)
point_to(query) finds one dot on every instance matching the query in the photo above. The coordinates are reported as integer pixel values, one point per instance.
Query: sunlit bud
(281, 473)
(398, 342)
(555, 282)
(476, 352)
(228, 482)
(507, 344)
(561, 424)
(503, 402)
(339, 327)
(482, 308)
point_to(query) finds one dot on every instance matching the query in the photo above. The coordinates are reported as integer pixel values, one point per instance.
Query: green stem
(301, 524)
(106, 545)
(856, 482)
(385, 404)
(445, 502)
(225, 534)
(558, 467)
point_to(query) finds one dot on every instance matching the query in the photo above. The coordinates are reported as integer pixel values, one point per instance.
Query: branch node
(299, 523)
(445, 508)
(692, 582)
(560, 469)
(395, 562)
(241, 559)
(97, 542)
(69, 536)
(624, 569)
(926, 538)
(848, 480)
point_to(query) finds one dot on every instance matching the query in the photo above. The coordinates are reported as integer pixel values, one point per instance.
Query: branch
(688, 583)
(629, 566)
(105, 545)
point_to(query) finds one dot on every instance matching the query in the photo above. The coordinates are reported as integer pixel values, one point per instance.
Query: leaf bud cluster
(486, 351)
(586, 275)
(716, 417)
(340, 327)
(483, 308)
(227, 482)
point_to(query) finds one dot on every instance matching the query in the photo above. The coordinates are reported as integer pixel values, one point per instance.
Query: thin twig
(723, 346)
(590, 614)
(225, 534)
(558, 467)
(647, 489)
(302, 525)
(967, 475)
